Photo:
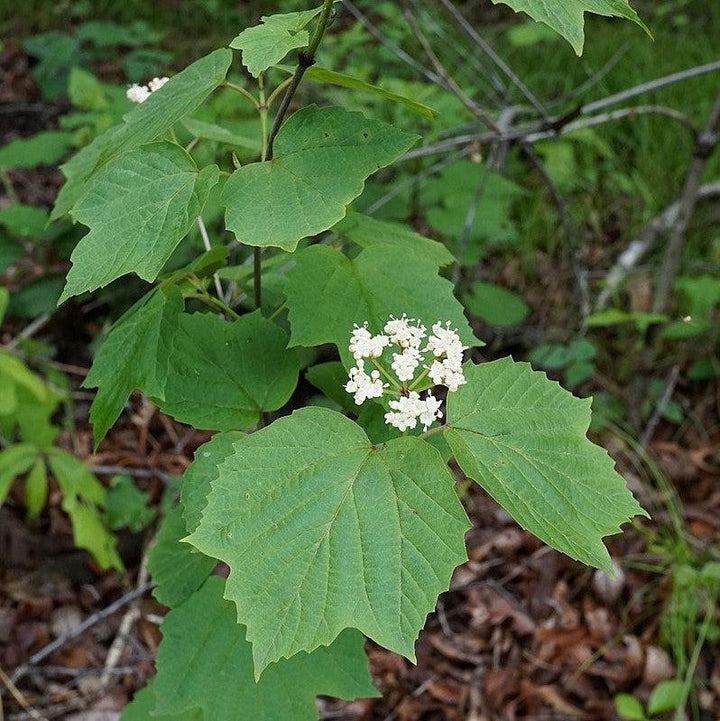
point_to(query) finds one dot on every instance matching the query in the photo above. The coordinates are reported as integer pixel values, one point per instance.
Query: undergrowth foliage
(337, 520)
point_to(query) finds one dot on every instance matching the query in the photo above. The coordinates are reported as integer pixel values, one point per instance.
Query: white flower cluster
(443, 347)
(140, 93)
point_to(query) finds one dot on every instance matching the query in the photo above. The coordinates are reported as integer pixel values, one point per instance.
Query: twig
(90, 621)
(136, 472)
(390, 45)
(704, 147)
(17, 695)
(650, 85)
(661, 405)
(29, 330)
(206, 242)
(131, 616)
(306, 59)
(473, 34)
(643, 243)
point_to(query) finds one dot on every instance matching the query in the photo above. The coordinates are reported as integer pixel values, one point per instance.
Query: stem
(257, 276)
(385, 373)
(279, 89)
(277, 312)
(421, 377)
(213, 302)
(206, 243)
(434, 431)
(305, 61)
(243, 92)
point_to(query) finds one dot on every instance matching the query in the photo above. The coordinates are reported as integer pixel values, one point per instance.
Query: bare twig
(119, 642)
(89, 622)
(706, 143)
(661, 406)
(206, 242)
(135, 472)
(17, 695)
(650, 85)
(644, 242)
(29, 330)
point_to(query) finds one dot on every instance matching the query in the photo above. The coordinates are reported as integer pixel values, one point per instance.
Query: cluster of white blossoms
(140, 93)
(443, 351)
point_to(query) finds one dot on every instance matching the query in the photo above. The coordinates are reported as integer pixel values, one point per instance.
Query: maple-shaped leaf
(567, 17)
(138, 209)
(324, 531)
(267, 44)
(135, 356)
(327, 293)
(523, 439)
(321, 160)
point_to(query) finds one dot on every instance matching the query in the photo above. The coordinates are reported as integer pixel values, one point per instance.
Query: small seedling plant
(338, 521)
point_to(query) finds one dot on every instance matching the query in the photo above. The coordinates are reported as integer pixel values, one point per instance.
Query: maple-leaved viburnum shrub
(338, 521)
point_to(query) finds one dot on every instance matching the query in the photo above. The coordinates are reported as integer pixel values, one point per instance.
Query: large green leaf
(367, 231)
(142, 707)
(177, 568)
(567, 17)
(135, 356)
(323, 531)
(322, 158)
(523, 439)
(223, 375)
(138, 209)
(267, 44)
(205, 665)
(327, 293)
(202, 471)
(179, 97)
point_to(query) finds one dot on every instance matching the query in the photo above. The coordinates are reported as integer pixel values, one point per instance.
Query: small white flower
(365, 345)
(364, 386)
(402, 333)
(444, 341)
(431, 412)
(157, 83)
(137, 93)
(140, 93)
(404, 364)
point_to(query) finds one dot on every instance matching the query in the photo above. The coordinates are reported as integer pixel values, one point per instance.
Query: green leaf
(201, 635)
(9, 252)
(566, 17)
(4, 300)
(26, 221)
(267, 44)
(495, 305)
(523, 438)
(83, 497)
(666, 696)
(177, 568)
(629, 708)
(8, 397)
(138, 209)
(223, 375)
(323, 531)
(13, 369)
(142, 707)
(331, 378)
(202, 471)
(180, 96)
(325, 75)
(86, 91)
(36, 491)
(210, 131)
(322, 158)
(366, 232)
(127, 506)
(327, 293)
(135, 356)
(41, 149)
(14, 461)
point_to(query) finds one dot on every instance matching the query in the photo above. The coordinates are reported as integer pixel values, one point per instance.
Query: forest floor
(523, 633)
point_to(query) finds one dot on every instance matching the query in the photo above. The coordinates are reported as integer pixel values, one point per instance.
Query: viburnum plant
(340, 520)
